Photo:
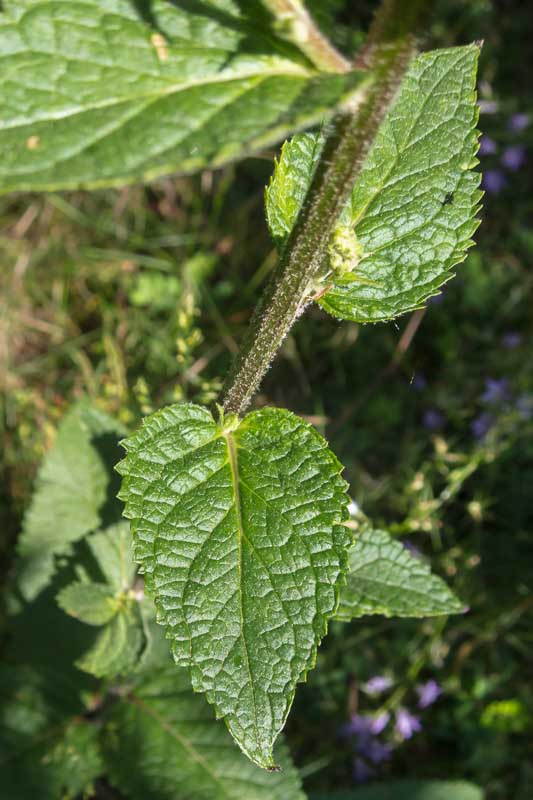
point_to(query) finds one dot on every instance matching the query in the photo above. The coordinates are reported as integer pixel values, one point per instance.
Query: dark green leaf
(179, 751)
(44, 753)
(409, 790)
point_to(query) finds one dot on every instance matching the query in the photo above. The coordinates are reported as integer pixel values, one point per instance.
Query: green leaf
(386, 579)
(30, 643)
(92, 603)
(237, 527)
(178, 750)
(413, 210)
(289, 183)
(113, 551)
(99, 93)
(118, 646)
(44, 753)
(71, 496)
(409, 790)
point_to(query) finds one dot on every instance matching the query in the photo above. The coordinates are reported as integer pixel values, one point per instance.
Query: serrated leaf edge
(137, 440)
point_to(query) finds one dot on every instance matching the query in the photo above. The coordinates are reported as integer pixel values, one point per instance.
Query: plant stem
(296, 24)
(346, 147)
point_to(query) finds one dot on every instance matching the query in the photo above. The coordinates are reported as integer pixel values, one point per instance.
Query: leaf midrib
(400, 148)
(234, 468)
(183, 741)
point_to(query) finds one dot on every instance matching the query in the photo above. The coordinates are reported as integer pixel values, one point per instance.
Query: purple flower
(409, 546)
(366, 729)
(427, 693)
(406, 723)
(433, 420)
(361, 771)
(494, 181)
(481, 425)
(514, 157)
(365, 726)
(375, 751)
(496, 391)
(524, 406)
(419, 382)
(517, 122)
(488, 106)
(511, 340)
(357, 725)
(378, 684)
(379, 723)
(487, 146)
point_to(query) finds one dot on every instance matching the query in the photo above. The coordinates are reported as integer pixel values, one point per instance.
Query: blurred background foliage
(139, 297)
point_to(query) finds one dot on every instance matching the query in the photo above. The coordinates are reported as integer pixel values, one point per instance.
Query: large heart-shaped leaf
(412, 212)
(238, 529)
(103, 92)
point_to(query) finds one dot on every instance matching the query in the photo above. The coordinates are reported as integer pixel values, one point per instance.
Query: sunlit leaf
(104, 92)
(413, 210)
(237, 529)
(386, 579)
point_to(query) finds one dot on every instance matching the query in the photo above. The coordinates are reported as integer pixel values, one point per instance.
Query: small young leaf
(288, 186)
(70, 497)
(413, 210)
(386, 579)
(99, 92)
(237, 527)
(118, 646)
(168, 735)
(92, 603)
(113, 550)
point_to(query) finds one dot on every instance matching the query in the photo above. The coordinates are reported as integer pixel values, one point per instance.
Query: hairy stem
(296, 24)
(347, 144)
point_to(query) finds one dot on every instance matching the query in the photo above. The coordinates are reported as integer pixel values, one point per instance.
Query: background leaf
(413, 208)
(113, 605)
(45, 751)
(180, 751)
(237, 528)
(117, 647)
(75, 493)
(98, 93)
(91, 603)
(386, 579)
(410, 790)
(113, 550)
